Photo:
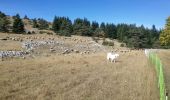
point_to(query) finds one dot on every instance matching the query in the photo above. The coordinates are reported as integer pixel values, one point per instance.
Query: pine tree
(65, 27)
(62, 26)
(2, 14)
(26, 17)
(94, 25)
(4, 23)
(82, 27)
(155, 32)
(43, 24)
(18, 25)
(122, 30)
(167, 26)
(165, 34)
(35, 23)
(99, 33)
(102, 26)
(77, 26)
(110, 30)
(56, 25)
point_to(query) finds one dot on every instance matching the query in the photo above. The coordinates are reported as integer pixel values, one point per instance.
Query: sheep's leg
(111, 60)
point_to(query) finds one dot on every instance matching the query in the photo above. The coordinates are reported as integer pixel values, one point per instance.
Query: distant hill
(129, 35)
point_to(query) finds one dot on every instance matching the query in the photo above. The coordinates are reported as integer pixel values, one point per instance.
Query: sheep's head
(116, 55)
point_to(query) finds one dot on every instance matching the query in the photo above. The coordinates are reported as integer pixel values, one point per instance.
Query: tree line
(17, 25)
(132, 35)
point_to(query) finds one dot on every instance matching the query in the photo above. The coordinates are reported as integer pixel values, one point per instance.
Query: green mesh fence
(155, 60)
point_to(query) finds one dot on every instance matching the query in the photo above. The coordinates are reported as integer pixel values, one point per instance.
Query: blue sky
(146, 12)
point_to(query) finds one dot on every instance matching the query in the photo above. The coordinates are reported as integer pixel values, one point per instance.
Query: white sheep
(147, 51)
(112, 57)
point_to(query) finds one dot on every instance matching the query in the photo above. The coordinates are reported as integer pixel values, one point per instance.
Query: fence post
(166, 95)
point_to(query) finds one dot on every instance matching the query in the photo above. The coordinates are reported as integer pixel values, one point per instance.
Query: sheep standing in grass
(112, 57)
(147, 52)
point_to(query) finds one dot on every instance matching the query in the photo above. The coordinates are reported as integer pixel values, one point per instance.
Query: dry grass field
(165, 58)
(78, 77)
